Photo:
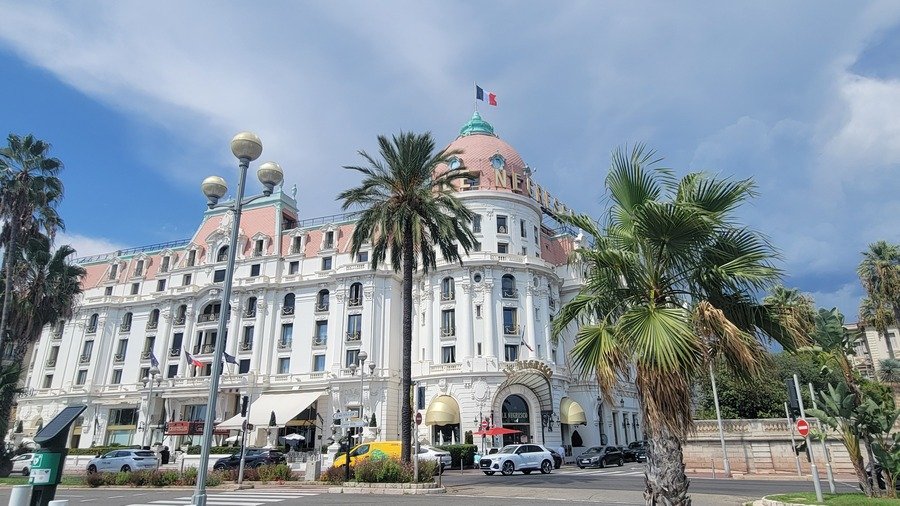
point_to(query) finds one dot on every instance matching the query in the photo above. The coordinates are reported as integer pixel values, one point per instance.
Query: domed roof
(482, 151)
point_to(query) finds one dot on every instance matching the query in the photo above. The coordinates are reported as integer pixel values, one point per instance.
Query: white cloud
(87, 246)
(846, 298)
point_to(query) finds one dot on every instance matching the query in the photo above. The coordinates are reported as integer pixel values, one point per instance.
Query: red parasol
(496, 431)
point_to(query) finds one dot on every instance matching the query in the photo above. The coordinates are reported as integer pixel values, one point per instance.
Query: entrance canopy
(571, 412)
(535, 380)
(443, 410)
(285, 406)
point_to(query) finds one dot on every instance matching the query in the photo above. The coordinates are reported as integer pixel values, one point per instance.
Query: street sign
(418, 418)
(484, 425)
(358, 423)
(343, 415)
(803, 427)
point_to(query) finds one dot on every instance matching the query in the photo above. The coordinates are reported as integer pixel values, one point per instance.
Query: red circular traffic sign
(484, 425)
(418, 418)
(803, 427)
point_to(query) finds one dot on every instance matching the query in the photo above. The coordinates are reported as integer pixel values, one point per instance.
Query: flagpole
(476, 97)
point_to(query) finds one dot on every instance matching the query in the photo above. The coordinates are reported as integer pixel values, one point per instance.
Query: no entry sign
(803, 427)
(418, 418)
(484, 425)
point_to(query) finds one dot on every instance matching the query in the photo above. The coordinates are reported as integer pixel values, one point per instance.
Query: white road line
(231, 503)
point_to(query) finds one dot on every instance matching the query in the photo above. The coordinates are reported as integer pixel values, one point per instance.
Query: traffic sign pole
(787, 414)
(812, 456)
(826, 456)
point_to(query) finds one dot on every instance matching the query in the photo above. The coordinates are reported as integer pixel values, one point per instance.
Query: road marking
(239, 498)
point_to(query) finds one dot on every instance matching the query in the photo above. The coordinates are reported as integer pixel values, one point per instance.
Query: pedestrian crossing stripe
(261, 497)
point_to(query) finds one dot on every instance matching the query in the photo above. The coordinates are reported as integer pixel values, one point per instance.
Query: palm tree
(408, 211)
(29, 193)
(46, 292)
(879, 272)
(890, 371)
(670, 286)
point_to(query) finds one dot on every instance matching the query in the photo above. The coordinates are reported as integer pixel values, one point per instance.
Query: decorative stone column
(465, 336)
(530, 328)
(488, 310)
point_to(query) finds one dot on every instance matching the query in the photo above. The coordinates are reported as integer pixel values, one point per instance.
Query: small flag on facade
(153, 361)
(229, 358)
(191, 360)
(522, 336)
(480, 95)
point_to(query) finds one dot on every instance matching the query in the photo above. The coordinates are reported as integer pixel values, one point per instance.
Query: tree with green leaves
(408, 211)
(879, 272)
(670, 285)
(30, 190)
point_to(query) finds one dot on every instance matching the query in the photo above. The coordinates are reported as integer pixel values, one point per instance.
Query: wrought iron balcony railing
(353, 336)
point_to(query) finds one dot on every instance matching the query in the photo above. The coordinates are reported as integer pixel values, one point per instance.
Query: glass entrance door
(515, 416)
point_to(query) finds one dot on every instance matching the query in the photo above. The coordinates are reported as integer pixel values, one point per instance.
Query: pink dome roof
(479, 148)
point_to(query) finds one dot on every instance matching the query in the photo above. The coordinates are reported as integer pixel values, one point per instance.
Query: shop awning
(571, 412)
(285, 406)
(443, 410)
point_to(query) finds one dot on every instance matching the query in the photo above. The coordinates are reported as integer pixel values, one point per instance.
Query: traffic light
(244, 401)
(793, 402)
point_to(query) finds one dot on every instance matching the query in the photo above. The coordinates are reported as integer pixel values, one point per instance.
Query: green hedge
(195, 450)
(466, 453)
(94, 450)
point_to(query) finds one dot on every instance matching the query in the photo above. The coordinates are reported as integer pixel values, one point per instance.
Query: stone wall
(760, 446)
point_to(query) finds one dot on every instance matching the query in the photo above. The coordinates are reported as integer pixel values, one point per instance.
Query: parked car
(440, 456)
(22, 463)
(636, 451)
(255, 457)
(522, 457)
(557, 458)
(600, 456)
(123, 460)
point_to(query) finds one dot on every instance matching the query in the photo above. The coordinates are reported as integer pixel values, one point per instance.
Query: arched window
(181, 315)
(250, 312)
(126, 322)
(222, 255)
(210, 312)
(355, 295)
(92, 323)
(508, 285)
(447, 291)
(288, 307)
(153, 322)
(322, 300)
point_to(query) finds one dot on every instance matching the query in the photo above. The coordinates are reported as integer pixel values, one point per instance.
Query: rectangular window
(321, 336)
(287, 335)
(258, 251)
(553, 355)
(420, 398)
(145, 372)
(354, 327)
(318, 363)
(139, 268)
(107, 291)
(522, 230)
(54, 354)
(477, 310)
(176, 344)
(362, 256)
(123, 416)
(219, 276)
(247, 340)
(116, 377)
(510, 321)
(113, 270)
(473, 182)
(164, 266)
(502, 227)
(82, 377)
(135, 288)
(87, 351)
(173, 371)
(448, 354)
(476, 246)
(352, 358)
(48, 381)
(326, 263)
(244, 366)
(160, 285)
(192, 258)
(524, 251)
(478, 347)
(294, 267)
(149, 344)
(448, 322)
(476, 223)
(296, 244)
(329, 240)
(186, 280)
(511, 352)
(121, 349)
(254, 270)
(535, 235)
(284, 365)
(502, 247)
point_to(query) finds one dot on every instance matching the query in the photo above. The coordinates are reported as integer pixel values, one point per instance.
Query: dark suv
(636, 451)
(255, 457)
(600, 456)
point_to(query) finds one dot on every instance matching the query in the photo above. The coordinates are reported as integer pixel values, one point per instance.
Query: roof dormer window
(498, 162)
(455, 163)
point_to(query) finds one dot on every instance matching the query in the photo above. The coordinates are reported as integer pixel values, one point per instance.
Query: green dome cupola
(476, 125)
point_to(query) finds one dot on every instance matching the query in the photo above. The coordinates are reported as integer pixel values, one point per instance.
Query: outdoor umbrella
(294, 437)
(496, 431)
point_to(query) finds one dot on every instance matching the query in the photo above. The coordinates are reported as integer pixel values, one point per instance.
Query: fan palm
(408, 211)
(669, 287)
(29, 193)
(879, 272)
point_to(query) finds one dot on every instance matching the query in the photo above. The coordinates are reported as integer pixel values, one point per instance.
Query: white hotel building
(301, 310)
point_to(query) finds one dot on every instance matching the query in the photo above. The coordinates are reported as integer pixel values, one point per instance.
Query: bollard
(59, 502)
(20, 495)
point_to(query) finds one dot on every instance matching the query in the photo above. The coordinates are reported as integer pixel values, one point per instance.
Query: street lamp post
(150, 379)
(362, 376)
(246, 147)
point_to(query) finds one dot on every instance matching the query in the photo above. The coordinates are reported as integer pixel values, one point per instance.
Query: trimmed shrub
(279, 472)
(333, 475)
(94, 480)
(121, 479)
(468, 437)
(188, 477)
(427, 471)
(162, 478)
(98, 449)
(381, 471)
(466, 453)
(195, 450)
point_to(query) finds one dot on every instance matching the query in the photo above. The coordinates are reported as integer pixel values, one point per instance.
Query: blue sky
(140, 99)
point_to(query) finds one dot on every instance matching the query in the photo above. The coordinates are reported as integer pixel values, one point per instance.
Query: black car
(600, 456)
(255, 457)
(636, 451)
(557, 458)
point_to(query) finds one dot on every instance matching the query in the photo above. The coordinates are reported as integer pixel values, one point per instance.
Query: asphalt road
(619, 486)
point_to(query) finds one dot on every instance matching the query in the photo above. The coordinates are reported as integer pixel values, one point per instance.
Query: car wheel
(25, 471)
(92, 469)
(219, 467)
(508, 468)
(546, 467)
(580, 467)
(557, 466)
(621, 462)
(126, 468)
(602, 464)
(489, 473)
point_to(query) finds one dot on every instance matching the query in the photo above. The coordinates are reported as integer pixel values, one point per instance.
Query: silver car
(123, 460)
(22, 463)
(440, 456)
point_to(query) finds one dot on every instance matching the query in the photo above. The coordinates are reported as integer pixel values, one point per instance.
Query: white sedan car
(22, 463)
(124, 461)
(512, 458)
(440, 456)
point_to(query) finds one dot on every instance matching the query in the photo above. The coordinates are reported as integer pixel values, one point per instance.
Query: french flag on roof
(480, 94)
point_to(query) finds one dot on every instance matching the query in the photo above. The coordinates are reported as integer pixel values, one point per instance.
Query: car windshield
(508, 449)
(145, 454)
(594, 450)
(636, 444)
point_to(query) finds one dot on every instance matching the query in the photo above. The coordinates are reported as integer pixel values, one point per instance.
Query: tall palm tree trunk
(406, 373)
(8, 260)
(667, 484)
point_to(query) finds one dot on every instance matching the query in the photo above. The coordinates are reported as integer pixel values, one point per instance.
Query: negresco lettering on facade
(303, 309)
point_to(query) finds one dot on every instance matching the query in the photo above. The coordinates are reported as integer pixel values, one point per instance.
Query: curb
(388, 489)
